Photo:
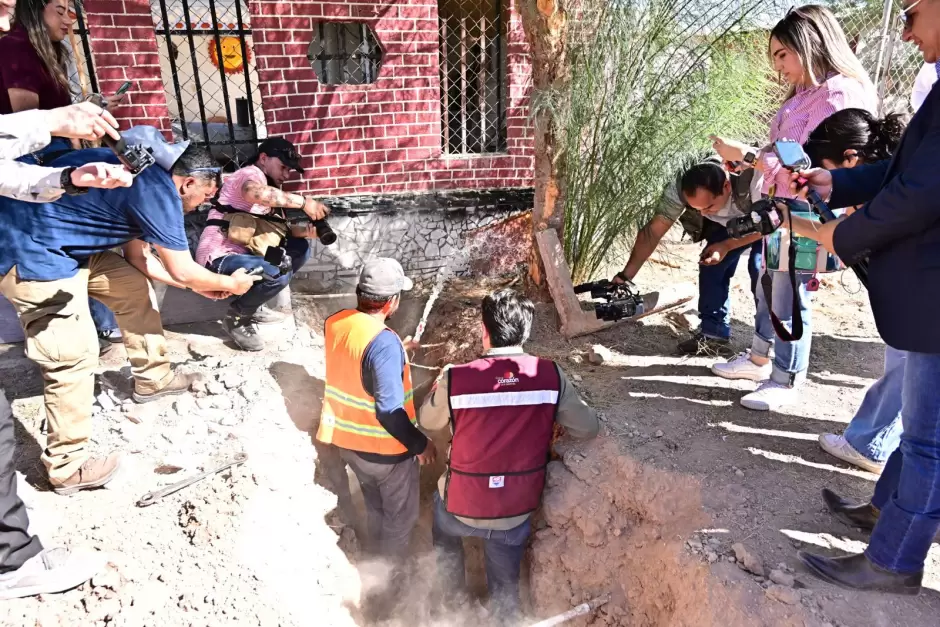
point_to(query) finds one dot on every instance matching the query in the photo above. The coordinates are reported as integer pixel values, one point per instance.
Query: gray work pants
(390, 492)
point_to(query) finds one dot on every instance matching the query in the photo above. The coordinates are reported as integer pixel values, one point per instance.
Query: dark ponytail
(858, 130)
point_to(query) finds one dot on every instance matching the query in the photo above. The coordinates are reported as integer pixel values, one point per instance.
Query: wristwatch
(65, 182)
(750, 157)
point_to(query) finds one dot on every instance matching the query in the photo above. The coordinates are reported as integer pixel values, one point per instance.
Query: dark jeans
(714, 283)
(16, 545)
(503, 552)
(102, 317)
(908, 492)
(390, 492)
(265, 289)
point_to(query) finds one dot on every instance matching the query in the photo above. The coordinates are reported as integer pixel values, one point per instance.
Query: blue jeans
(502, 550)
(908, 492)
(267, 288)
(791, 359)
(714, 282)
(875, 430)
(103, 318)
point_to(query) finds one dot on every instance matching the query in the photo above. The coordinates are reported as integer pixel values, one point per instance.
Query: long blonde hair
(814, 34)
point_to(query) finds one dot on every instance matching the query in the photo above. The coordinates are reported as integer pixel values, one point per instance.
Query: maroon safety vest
(502, 412)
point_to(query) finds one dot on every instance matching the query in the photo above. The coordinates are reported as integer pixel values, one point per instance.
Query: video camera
(621, 301)
(135, 158)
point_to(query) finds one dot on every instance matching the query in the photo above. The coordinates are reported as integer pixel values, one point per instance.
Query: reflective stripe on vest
(348, 419)
(501, 438)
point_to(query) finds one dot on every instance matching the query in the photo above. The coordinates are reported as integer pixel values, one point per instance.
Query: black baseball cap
(283, 150)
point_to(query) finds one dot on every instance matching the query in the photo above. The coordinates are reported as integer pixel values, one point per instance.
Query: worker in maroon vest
(501, 409)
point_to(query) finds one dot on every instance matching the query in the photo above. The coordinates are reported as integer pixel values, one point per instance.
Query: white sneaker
(769, 396)
(838, 446)
(741, 367)
(52, 570)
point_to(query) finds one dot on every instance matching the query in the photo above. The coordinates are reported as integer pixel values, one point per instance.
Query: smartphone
(791, 155)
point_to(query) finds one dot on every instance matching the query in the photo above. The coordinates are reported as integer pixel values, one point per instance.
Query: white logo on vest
(498, 481)
(507, 379)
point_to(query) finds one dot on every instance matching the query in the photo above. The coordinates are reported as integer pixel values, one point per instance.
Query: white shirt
(923, 84)
(22, 133)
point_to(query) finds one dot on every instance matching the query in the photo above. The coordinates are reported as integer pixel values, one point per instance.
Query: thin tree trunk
(545, 24)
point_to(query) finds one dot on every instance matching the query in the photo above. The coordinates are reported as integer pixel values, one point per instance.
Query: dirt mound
(612, 525)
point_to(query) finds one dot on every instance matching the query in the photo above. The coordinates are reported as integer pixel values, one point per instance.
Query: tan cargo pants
(61, 339)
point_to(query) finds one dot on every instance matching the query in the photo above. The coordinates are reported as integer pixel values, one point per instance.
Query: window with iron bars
(473, 75)
(209, 75)
(345, 53)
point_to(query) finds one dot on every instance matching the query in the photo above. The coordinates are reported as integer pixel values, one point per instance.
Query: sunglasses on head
(217, 171)
(906, 17)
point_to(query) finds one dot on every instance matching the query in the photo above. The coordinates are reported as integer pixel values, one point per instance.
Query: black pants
(16, 545)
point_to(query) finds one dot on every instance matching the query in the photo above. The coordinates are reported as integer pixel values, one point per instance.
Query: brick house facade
(383, 137)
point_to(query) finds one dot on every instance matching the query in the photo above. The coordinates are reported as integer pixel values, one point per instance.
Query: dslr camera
(620, 299)
(764, 217)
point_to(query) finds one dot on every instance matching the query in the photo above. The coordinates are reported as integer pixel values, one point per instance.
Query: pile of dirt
(612, 525)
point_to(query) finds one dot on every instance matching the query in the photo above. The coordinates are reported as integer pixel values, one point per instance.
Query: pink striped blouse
(801, 114)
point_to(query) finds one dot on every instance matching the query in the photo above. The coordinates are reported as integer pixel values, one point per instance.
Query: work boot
(243, 332)
(180, 384)
(704, 346)
(51, 570)
(266, 315)
(94, 473)
(113, 336)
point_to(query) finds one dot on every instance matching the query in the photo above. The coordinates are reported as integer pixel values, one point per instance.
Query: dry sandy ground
(649, 512)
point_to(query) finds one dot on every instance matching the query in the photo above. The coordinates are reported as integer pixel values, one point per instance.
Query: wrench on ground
(152, 497)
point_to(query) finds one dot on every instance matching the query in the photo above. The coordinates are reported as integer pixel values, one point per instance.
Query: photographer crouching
(247, 230)
(898, 230)
(703, 199)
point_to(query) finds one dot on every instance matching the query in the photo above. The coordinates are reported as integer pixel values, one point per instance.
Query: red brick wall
(124, 48)
(383, 137)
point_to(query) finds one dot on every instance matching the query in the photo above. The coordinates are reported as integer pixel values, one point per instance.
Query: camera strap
(767, 284)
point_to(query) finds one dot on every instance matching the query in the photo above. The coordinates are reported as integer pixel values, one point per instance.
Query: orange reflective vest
(349, 419)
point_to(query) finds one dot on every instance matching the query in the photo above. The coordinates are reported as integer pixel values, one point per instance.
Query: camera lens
(324, 232)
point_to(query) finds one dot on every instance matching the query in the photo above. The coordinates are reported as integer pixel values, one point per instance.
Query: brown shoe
(94, 473)
(180, 384)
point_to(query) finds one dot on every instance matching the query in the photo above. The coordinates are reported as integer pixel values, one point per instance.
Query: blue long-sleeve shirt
(382, 377)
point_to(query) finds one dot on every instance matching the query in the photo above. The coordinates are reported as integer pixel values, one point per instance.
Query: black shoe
(104, 347)
(705, 346)
(858, 573)
(863, 516)
(243, 332)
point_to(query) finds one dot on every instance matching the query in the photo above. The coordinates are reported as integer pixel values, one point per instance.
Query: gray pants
(391, 495)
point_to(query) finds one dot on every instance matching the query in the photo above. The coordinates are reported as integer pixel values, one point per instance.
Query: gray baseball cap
(164, 153)
(383, 277)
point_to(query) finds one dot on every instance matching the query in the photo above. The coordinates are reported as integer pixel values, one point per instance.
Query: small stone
(141, 413)
(739, 472)
(105, 401)
(200, 386)
(577, 377)
(185, 405)
(787, 596)
(732, 559)
(599, 354)
(711, 556)
(576, 358)
(659, 433)
(229, 420)
(215, 388)
(747, 560)
(220, 402)
(781, 578)
(231, 380)
(204, 403)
